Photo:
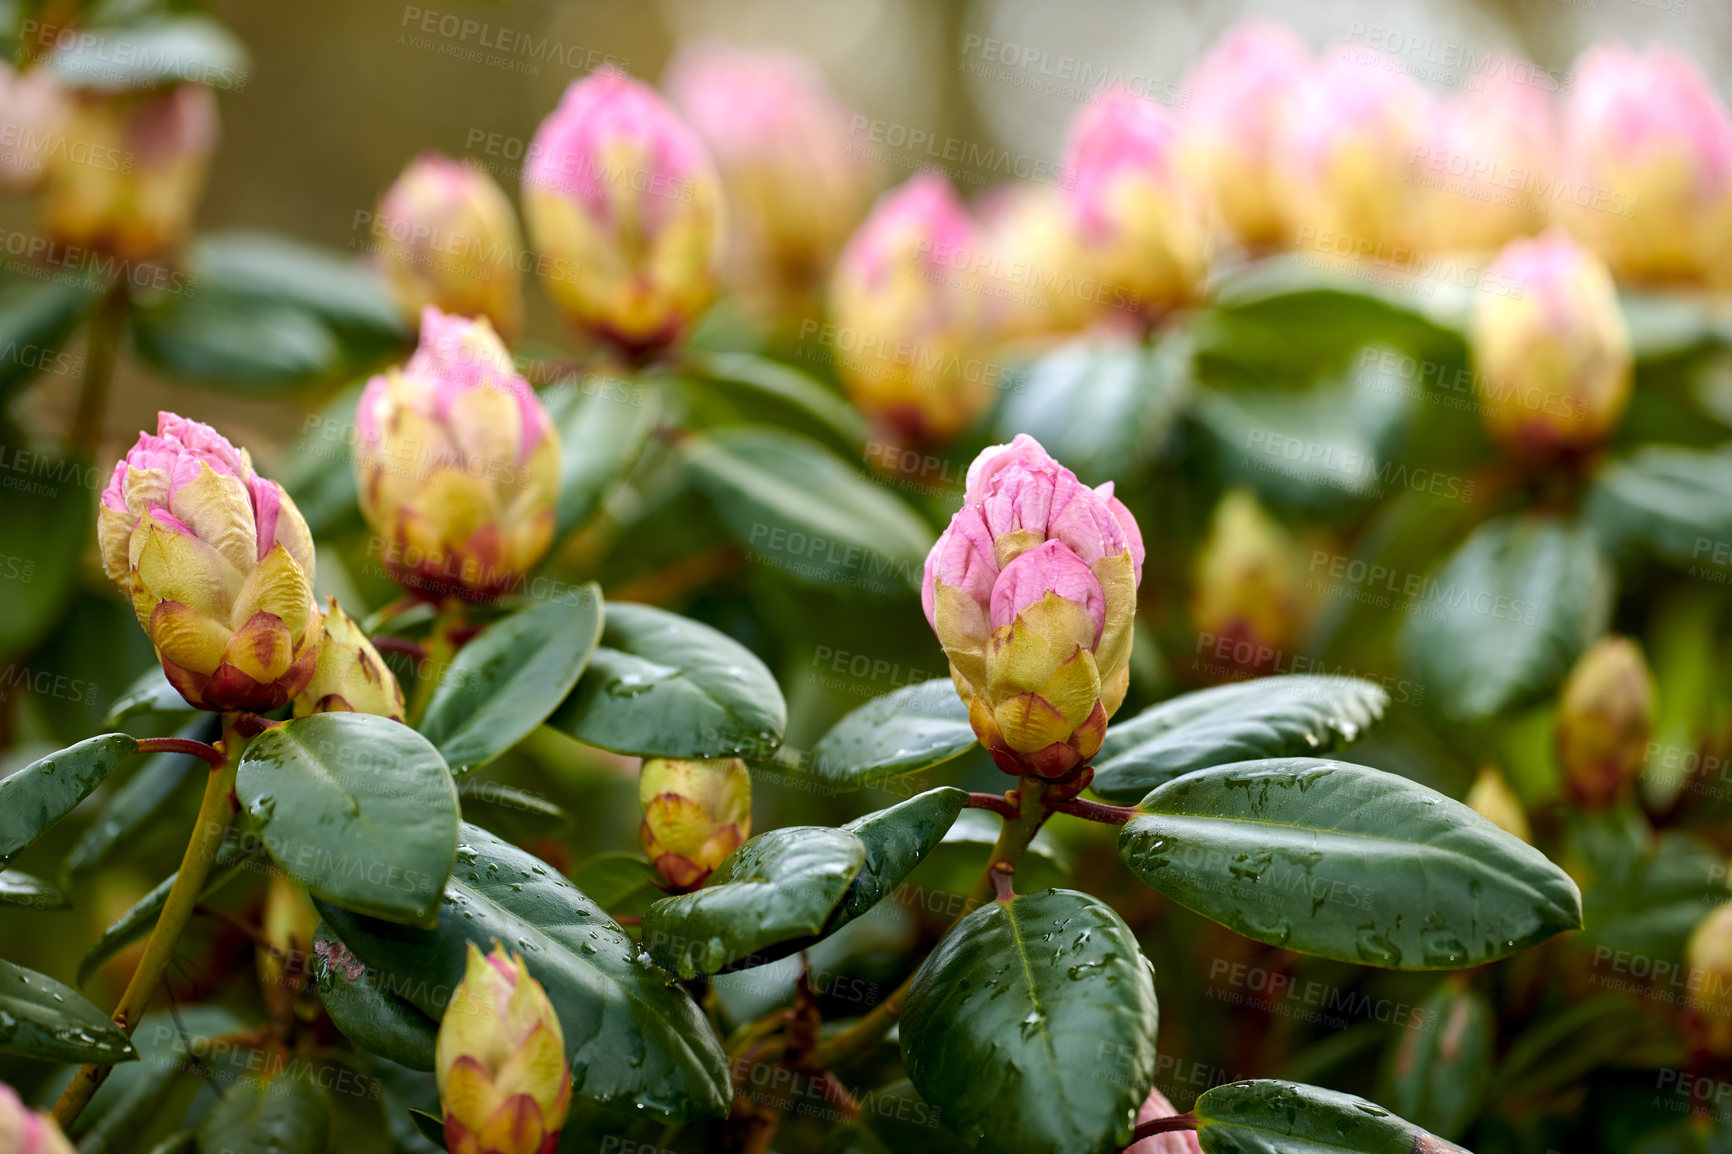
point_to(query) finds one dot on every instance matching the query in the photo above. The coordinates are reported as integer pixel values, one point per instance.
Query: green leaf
(898, 1117)
(623, 884)
(778, 888)
(359, 809)
(153, 52)
(907, 730)
(47, 526)
(365, 1008)
(1347, 862)
(896, 840)
(326, 283)
(138, 921)
(431, 1126)
(1132, 394)
(1673, 502)
(604, 423)
(513, 674)
(789, 386)
(285, 1115)
(1032, 1026)
(49, 788)
(36, 317)
(211, 337)
(1507, 614)
(137, 1098)
(511, 806)
(150, 694)
(799, 508)
(632, 1035)
(1265, 717)
(44, 1020)
(663, 685)
(1270, 1117)
(1440, 1065)
(18, 888)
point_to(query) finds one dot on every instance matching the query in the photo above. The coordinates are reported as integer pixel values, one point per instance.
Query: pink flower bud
(33, 111)
(24, 1131)
(218, 565)
(1648, 158)
(1348, 140)
(1485, 172)
(623, 200)
(695, 813)
(1247, 590)
(1156, 1107)
(1038, 281)
(794, 189)
(1032, 590)
(127, 176)
(458, 464)
(908, 314)
(1140, 222)
(1553, 364)
(447, 236)
(1231, 124)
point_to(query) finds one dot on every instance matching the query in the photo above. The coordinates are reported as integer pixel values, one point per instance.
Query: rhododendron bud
(1348, 140)
(128, 175)
(33, 111)
(1489, 161)
(218, 565)
(1140, 221)
(1155, 1107)
(1247, 593)
(909, 316)
(1648, 160)
(1605, 715)
(1553, 362)
(1708, 965)
(1038, 279)
(500, 1061)
(24, 1131)
(1493, 799)
(1230, 126)
(794, 188)
(695, 813)
(446, 236)
(458, 464)
(1032, 590)
(351, 677)
(620, 193)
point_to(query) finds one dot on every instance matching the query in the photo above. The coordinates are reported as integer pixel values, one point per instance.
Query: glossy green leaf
(18, 888)
(1441, 1062)
(366, 1009)
(897, 839)
(162, 49)
(662, 685)
(1271, 1117)
(359, 809)
(1266, 717)
(1506, 616)
(141, 918)
(1347, 862)
(36, 317)
(1048, 990)
(623, 884)
(283, 1115)
(149, 694)
(46, 790)
(632, 1035)
(210, 337)
(1132, 393)
(907, 730)
(137, 1098)
(604, 423)
(515, 672)
(494, 803)
(800, 509)
(50, 1022)
(778, 888)
(47, 527)
(788, 386)
(1672, 502)
(268, 268)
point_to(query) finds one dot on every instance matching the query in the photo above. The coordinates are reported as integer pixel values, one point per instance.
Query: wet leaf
(46, 790)
(907, 730)
(1271, 1117)
(50, 1022)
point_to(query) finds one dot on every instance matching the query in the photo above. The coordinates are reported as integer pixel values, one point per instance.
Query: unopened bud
(24, 1131)
(351, 677)
(1493, 799)
(1605, 716)
(1247, 584)
(695, 813)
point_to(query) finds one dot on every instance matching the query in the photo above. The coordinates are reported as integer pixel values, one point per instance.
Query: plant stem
(185, 745)
(100, 349)
(441, 647)
(1095, 811)
(1159, 1126)
(214, 814)
(1001, 804)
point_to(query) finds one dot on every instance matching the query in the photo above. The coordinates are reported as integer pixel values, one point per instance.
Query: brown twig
(1159, 1126)
(1002, 804)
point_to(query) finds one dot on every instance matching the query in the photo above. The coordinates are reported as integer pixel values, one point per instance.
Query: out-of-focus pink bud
(909, 316)
(1156, 1107)
(24, 1131)
(794, 189)
(1247, 591)
(127, 176)
(1230, 126)
(1605, 716)
(1139, 220)
(1032, 590)
(1708, 968)
(623, 200)
(1648, 158)
(33, 111)
(1553, 361)
(1036, 278)
(1493, 799)
(218, 565)
(458, 464)
(446, 236)
(1348, 140)
(1489, 162)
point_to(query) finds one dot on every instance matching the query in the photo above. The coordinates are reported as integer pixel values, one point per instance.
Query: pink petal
(1048, 568)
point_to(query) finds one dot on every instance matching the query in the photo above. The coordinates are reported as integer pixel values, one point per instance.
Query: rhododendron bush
(779, 622)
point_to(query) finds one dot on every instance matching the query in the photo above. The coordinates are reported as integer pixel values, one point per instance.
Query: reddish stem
(1159, 1126)
(411, 649)
(1003, 877)
(1001, 804)
(209, 753)
(1094, 810)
